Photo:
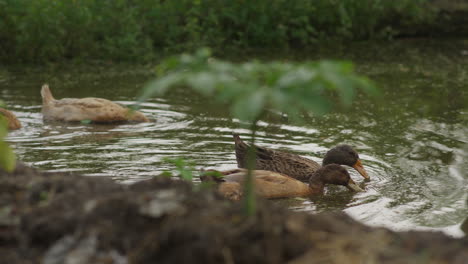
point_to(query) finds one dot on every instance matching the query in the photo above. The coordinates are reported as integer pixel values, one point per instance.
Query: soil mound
(67, 218)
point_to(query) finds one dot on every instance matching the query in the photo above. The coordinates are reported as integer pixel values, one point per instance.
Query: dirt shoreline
(67, 218)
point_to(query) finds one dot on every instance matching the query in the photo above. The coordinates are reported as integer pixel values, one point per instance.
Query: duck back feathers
(282, 162)
(97, 110)
(268, 184)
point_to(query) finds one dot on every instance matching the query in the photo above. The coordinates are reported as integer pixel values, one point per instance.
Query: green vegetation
(124, 30)
(186, 171)
(252, 89)
(7, 156)
(183, 169)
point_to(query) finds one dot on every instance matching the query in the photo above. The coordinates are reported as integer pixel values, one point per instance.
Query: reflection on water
(413, 140)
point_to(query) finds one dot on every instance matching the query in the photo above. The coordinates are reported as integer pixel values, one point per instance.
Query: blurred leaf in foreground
(251, 88)
(7, 156)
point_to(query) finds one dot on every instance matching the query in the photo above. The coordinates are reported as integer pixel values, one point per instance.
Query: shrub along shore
(137, 31)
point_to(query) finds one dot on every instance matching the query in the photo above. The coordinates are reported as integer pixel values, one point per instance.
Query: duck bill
(358, 166)
(352, 186)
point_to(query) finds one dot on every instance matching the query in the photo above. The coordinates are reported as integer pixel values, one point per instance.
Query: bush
(47, 30)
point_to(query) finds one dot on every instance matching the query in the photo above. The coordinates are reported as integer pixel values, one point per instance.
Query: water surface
(412, 140)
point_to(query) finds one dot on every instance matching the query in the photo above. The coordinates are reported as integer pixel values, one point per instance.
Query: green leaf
(161, 85)
(216, 174)
(186, 175)
(316, 104)
(367, 86)
(167, 65)
(183, 168)
(346, 91)
(248, 108)
(3, 127)
(249, 88)
(204, 82)
(7, 157)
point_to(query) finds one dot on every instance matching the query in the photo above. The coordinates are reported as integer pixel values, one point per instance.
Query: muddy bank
(67, 218)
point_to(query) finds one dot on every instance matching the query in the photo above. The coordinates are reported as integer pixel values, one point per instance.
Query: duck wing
(88, 102)
(276, 185)
(242, 149)
(289, 164)
(268, 184)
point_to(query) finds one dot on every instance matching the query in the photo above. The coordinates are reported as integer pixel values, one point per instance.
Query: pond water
(413, 139)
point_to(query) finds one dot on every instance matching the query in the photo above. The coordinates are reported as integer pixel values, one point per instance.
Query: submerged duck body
(96, 110)
(12, 122)
(293, 165)
(270, 184)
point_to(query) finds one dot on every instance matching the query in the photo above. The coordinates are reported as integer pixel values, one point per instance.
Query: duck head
(345, 155)
(332, 174)
(137, 116)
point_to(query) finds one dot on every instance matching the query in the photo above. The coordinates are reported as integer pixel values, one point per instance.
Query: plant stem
(249, 189)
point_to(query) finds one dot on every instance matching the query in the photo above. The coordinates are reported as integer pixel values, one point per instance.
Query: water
(412, 140)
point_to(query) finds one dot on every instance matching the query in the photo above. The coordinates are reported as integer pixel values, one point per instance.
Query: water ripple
(417, 164)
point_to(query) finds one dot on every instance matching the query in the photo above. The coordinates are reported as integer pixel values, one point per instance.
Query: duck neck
(316, 186)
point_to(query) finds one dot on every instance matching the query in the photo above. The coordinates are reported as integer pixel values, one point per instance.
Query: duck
(12, 122)
(294, 165)
(96, 110)
(271, 185)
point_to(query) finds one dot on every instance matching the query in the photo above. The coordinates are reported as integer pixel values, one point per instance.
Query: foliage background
(51, 30)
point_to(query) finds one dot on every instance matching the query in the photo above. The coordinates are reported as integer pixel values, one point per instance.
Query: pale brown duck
(12, 122)
(91, 109)
(294, 165)
(269, 184)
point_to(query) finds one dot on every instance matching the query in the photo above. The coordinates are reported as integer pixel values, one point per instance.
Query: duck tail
(46, 94)
(238, 142)
(236, 137)
(241, 149)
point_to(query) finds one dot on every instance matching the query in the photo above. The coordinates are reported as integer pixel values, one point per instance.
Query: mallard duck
(12, 121)
(92, 109)
(269, 184)
(294, 165)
